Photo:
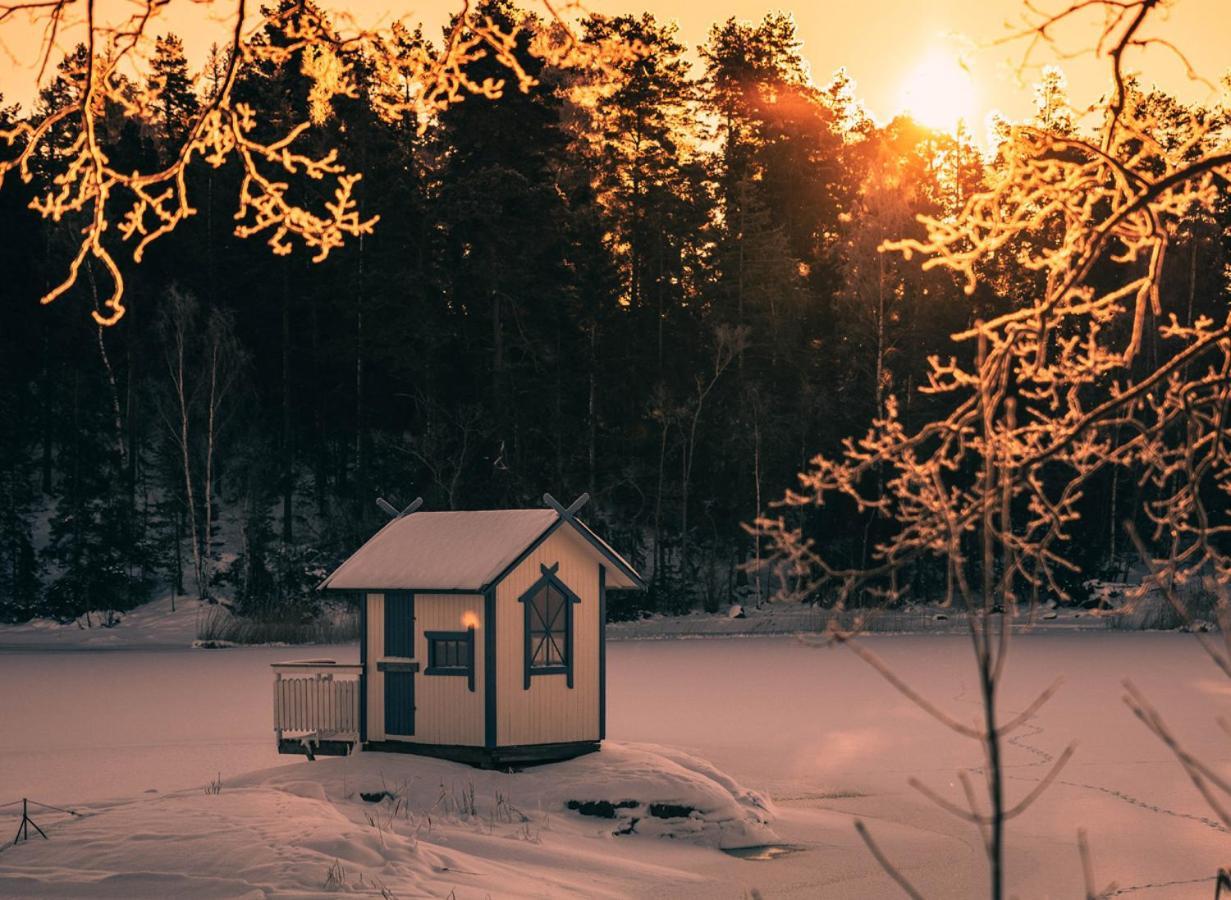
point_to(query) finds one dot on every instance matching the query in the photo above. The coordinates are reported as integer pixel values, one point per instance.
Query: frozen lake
(814, 728)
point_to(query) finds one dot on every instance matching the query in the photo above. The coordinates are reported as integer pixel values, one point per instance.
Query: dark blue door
(400, 703)
(399, 644)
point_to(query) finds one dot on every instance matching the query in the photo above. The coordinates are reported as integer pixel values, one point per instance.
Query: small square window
(450, 653)
(446, 653)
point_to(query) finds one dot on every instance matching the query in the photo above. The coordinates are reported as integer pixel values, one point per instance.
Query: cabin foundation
(495, 758)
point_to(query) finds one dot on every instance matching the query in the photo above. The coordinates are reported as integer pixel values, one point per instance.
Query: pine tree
(217, 62)
(1051, 103)
(19, 571)
(641, 147)
(176, 104)
(20, 412)
(97, 546)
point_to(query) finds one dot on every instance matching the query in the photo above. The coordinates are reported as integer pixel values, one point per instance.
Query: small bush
(505, 811)
(457, 801)
(1155, 613)
(529, 834)
(219, 626)
(335, 876)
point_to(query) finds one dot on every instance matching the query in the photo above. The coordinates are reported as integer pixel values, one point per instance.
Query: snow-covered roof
(609, 551)
(454, 550)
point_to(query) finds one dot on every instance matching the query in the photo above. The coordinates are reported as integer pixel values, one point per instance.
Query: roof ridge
(459, 550)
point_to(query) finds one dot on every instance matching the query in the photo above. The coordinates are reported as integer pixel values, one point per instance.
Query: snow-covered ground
(794, 618)
(424, 828)
(813, 730)
(156, 625)
(85, 725)
(160, 624)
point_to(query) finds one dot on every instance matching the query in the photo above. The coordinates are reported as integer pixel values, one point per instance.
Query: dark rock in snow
(603, 809)
(671, 811)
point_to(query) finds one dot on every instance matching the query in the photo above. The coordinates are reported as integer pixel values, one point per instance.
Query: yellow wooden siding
(446, 710)
(549, 712)
(376, 679)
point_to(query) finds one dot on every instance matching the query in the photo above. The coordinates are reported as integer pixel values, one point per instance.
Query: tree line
(660, 284)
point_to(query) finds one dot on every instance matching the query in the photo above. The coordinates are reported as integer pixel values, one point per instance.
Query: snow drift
(407, 825)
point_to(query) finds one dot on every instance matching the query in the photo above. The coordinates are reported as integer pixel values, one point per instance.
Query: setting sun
(939, 92)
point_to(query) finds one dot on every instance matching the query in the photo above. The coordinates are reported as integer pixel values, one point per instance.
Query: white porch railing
(315, 699)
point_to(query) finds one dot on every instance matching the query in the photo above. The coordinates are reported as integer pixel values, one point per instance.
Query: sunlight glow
(939, 92)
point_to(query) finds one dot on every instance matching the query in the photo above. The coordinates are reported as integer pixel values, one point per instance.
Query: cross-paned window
(548, 607)
(549, 619)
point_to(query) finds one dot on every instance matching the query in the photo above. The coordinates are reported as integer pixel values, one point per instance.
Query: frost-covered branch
(1077, 371)
(87, 183)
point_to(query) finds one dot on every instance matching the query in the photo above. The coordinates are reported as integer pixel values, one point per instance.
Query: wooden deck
(316, 707)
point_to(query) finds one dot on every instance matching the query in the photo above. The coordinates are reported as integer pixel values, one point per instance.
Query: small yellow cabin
(482, 635)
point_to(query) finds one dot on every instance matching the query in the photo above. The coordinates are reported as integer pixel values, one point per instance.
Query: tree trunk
(592, 432)
(207, 489)
(880, 334)
(178, 587)
(756, 474)
(658, 504)
(179, 380)
(288, 468)
(359, 412)
(112, 392)
(497, 348)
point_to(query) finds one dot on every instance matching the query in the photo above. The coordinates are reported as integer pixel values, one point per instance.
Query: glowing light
(940, 92)
(470, 619)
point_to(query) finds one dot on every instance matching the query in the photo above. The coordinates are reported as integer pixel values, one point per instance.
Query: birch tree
(177, 319)
(202, 364)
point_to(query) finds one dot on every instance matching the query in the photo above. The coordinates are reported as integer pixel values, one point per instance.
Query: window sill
(396, 665)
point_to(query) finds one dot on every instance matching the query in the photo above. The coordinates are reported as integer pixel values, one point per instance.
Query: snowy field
(810, 738)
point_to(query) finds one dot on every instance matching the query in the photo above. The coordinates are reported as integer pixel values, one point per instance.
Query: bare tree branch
(889, 868)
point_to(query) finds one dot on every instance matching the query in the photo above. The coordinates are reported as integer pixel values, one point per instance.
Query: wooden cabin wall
(375, 638)
(549, 712)
(446, 710)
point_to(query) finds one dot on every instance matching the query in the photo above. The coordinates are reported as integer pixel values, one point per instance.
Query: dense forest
(662, 286)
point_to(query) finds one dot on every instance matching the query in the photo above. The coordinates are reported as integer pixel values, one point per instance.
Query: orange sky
(881, 43)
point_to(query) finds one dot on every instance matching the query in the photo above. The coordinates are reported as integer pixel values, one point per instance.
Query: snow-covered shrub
(219, 627)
